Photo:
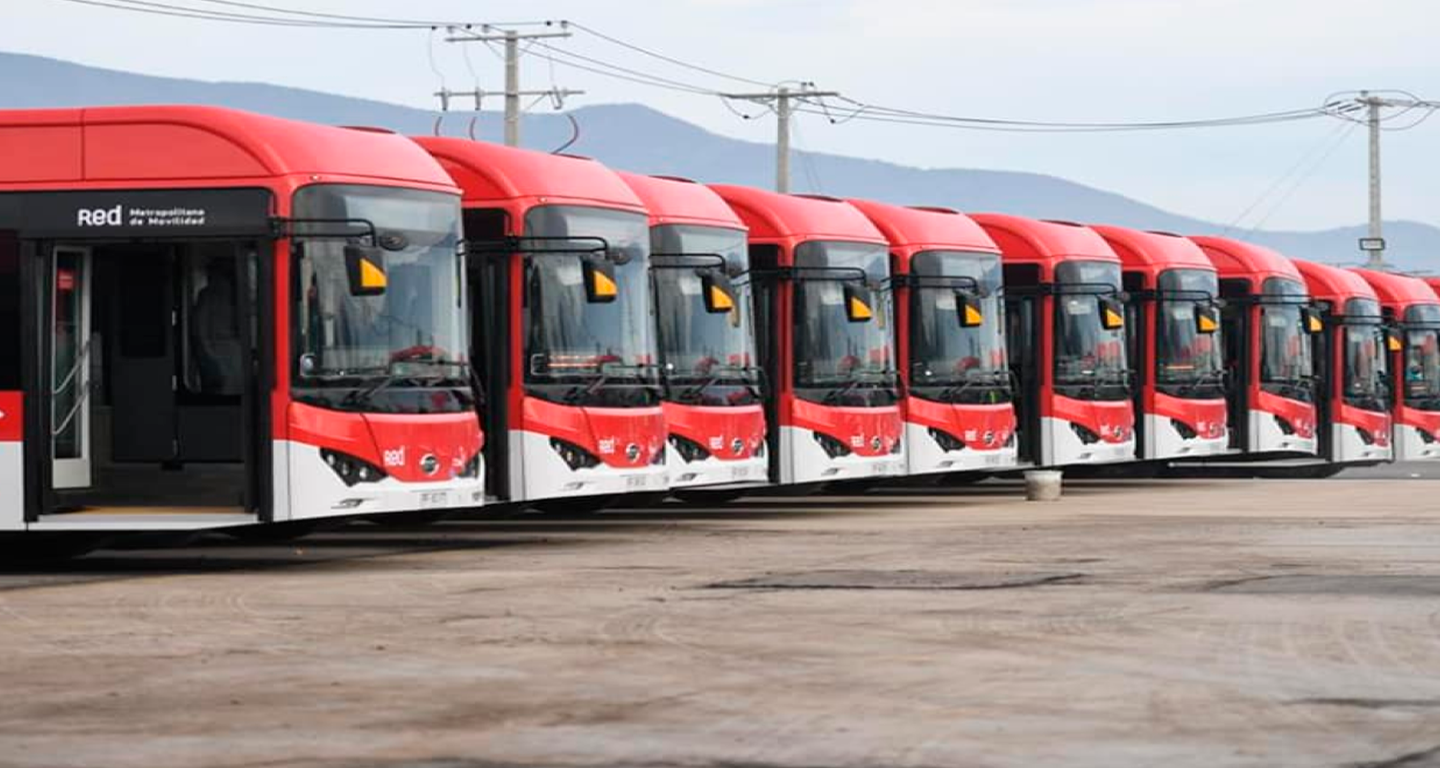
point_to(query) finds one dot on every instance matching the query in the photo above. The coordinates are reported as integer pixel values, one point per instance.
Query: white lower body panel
(317, 492)
(1267, 437)
(1164, 441)
(808, 463)
(544, 475)
(1409, 446)
(1347, 447)
(1061, 446)
(924, 456)
(12, 486)
(713, 471)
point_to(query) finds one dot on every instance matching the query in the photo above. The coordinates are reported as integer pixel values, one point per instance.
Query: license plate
(992, 460)
(879, 469)
(737, 473)
(635, 481)
(432, 499)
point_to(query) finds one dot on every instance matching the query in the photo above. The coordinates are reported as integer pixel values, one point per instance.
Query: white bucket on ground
(1042, 485)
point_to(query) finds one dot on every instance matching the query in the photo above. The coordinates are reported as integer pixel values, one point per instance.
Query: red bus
(559, 265)
(705, 318)
(824, 337)
(1066, 317)
(950, 335)
(1266, 322)
(217, 319)
(1353, 405)
(1175, 345)
(1413, 310)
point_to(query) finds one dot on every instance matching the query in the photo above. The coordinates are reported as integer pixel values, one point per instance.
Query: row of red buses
(223, 320)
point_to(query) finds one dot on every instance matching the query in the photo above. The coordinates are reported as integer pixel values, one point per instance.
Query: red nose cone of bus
(623, 438)
(729, 433)
(428, 448)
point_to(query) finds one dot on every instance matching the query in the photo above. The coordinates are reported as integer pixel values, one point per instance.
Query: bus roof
(1153, 252)
(913, 229)
(51, 148)
(1236, 258)
(772, 216)
(491, 174)
(1330, 283)
(681, 201)
(1048, 242)
(1398, 292)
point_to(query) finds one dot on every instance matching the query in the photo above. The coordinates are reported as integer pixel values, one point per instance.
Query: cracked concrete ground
(1177, 623)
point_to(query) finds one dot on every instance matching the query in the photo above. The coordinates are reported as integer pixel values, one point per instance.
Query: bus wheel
(38, 548)
(702, 498)
(271, 533)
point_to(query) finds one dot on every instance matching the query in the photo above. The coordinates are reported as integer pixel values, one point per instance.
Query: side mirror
(600, 284)
(1207, 318)
(1112, 313)
(365, 270)
(718, 291)
(859, 303)
(1311, 319)
(967, 310)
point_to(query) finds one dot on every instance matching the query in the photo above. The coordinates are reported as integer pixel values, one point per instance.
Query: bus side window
(9, 312)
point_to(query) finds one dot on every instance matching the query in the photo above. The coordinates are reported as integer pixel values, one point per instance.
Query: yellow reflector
(859, 310)
(1208, 324)
(603, 286)
(372, 278)
(1393, 343)
(1316, 325)
(720, 299)
(1114, 319)
(973, 316)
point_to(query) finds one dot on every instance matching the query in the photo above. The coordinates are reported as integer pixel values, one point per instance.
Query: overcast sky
(1073, 60)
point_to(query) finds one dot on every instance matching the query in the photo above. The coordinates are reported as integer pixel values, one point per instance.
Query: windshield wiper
(695, 391)
(834, 395)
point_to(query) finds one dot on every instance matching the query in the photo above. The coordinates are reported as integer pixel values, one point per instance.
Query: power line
(663, 57)
(191, 12)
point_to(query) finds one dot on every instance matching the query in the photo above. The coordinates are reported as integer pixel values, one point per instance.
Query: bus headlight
(1186, 431)
(573, 455)
(946, 441)
(351, 470)
(688, 449)
(1284, 424)
(832, 447)
(471, 468)
(1087, 436)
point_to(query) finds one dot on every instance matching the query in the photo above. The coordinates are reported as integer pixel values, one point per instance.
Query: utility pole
(513, 94)
(781, 98)
(1373, 244)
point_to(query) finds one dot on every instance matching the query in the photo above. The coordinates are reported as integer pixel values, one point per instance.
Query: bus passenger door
(70, 363)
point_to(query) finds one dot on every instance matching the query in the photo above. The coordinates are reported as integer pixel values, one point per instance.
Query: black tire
(712, 498)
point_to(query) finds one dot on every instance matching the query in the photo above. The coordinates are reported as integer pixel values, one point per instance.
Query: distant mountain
(638, 138)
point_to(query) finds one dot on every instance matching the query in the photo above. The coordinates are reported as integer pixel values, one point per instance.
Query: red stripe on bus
(12, 422)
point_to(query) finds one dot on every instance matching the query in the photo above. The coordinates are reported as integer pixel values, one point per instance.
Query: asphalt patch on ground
(1367, 585)
(905, 579)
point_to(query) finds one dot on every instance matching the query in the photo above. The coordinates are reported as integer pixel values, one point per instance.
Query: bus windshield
(1286, 366)
(1089, 359)
(1364, 384)
(1422, 357)
(1187, 363)
(373, 352)
(706, 358)
(837, 360)
(569, 339)
(949, 362)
